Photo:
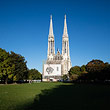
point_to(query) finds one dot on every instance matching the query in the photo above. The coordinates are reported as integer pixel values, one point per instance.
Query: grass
(54, 96)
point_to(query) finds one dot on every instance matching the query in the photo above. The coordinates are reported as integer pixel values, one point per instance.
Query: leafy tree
(6, 66)
(74, 72)
(83, 68)
(73, 77)
(106, 71)
(34, 74)
(95, 68)
(20, 70)
(65, 77)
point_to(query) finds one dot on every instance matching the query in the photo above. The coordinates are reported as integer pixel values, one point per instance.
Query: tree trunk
(6, 80)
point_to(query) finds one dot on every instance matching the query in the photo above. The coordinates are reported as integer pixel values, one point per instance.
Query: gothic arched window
(65, 50)
(51, 50)
(51, 47)
(51, 43)
(65, 47)
(65, 44)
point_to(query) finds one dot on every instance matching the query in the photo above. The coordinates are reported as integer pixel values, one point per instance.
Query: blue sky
(24, 27)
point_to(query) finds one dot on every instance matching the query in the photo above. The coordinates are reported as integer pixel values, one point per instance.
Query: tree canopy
(34, 74)
(20, 70)
(6, 66)
(95, 70)
(12, 66)
(95, 66)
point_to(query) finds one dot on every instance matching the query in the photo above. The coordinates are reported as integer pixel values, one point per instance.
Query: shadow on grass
(73, 97)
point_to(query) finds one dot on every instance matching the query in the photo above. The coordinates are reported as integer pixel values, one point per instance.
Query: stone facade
(58, 64)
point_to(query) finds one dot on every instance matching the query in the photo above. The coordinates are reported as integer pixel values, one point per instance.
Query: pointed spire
(51, 28)
(65, 33)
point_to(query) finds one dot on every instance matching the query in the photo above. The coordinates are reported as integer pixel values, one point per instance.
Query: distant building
(58, 64)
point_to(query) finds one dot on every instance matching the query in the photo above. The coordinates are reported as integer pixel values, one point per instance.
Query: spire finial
(65, 16)
(50, 16)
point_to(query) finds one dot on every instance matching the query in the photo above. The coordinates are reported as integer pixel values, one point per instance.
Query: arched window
(51, 47)
(51, 43)
(65, 44)
(65, 47)
(65, 50)
(51, 50)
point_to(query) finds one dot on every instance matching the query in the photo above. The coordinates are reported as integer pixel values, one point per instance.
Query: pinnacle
(65, 16)
(51, 27)
(65, 33)
(50, 16)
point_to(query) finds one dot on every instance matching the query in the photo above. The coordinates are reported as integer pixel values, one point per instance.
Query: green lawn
(54, 96)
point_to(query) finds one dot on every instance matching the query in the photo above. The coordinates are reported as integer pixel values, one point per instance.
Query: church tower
(65, 49)
(51, 47)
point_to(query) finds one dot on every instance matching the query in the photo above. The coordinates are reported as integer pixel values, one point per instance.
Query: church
(58, 64)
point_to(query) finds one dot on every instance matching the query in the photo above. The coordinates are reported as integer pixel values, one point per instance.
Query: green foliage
(34, 74)
(83, 68)
(6, 66)
(65, 77)
(12, 66)
(74, 72)
(21, 70)
(95, 66)
(97, 71)
(73, 77)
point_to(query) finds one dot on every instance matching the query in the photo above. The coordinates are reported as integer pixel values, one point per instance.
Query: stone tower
(51, 47)
(65, 49)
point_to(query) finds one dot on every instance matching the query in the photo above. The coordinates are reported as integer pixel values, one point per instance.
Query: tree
(65, 77)
(83, 68)
(34, 74)
(6, 66)
(95, 70)
(95, 66)
(74, 72)
(106, 71)
(20, 70)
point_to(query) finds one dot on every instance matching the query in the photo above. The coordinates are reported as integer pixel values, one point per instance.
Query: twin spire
(65, 33)
(51, 28)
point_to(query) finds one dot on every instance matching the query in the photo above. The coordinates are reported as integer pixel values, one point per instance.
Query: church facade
(58, 64)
